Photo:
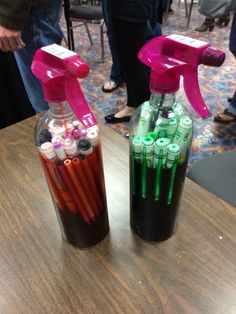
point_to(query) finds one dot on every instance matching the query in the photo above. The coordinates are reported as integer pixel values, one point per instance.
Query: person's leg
(167, 6)
(229, 114)
(232, 107)
(208, 24)
(232, 36)
(232, 48)
(41, 29)
(130, 39)
(154, 28)
(153, 31)
(116, 74)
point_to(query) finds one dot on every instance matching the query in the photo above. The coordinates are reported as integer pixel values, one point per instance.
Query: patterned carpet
(215, 83)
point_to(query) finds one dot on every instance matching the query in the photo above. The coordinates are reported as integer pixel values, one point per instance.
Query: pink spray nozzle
(58, 69)
(171, 56)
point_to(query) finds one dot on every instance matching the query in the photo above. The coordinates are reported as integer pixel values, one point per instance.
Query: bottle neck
(60, 110)
(162, 101)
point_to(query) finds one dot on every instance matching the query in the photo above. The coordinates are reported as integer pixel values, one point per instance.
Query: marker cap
(48, 150)
(85, 146)
(70, 147)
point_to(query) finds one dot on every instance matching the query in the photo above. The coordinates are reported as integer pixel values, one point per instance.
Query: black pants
(130, 38)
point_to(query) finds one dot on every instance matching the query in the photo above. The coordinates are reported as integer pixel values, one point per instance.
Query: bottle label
(58, 51)
(188, 41)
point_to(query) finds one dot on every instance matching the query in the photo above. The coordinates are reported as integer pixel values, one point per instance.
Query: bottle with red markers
(69, 146)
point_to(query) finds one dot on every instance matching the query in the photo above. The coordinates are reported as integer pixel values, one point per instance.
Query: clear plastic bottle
(71, 157)
(161, 133)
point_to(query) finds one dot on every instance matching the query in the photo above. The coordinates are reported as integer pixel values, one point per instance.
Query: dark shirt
(138, 11)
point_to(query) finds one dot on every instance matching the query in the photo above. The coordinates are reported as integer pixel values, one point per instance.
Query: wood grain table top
(192, 272)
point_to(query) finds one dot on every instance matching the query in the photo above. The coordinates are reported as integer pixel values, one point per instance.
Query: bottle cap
(48, 150)
(93, 138)
(75, 134)
(162, 142)
(85, 146)
(70, 147)
(83, 133)
(137, 144)
(173, 148)
(153, 135)
(148, 141)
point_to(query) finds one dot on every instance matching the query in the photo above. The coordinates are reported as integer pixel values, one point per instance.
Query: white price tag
(188, 41)
(59, 51)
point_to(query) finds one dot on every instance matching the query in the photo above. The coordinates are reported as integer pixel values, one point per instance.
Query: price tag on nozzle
(58, 69)
(59, 51)
(188, 41)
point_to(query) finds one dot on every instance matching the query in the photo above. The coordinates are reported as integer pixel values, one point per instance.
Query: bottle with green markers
(161, 132)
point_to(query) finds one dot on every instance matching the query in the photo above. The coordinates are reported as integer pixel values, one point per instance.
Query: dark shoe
(112, 86)
(230, 99)
(208, 24)
(126, 135)
(224, 21)
(112, 119)
(225, 117)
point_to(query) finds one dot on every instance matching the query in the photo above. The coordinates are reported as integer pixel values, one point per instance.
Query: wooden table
(192, 272)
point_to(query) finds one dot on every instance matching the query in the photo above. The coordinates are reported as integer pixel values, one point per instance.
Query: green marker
(144, 174)
(147, 160)
(172, 163)
(162, 124)
(160, 154)
(133, 169)
(136, 154)
(148, 144)
(144, 120)
(160, 147)
(170, 131)
(183, 136)
(137, 145)
(178, 111)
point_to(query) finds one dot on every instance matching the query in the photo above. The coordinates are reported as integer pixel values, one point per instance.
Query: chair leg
(186, 7)
(89, 35)
(190, 13)
(102, 41)
(71, 42)
(70, 38)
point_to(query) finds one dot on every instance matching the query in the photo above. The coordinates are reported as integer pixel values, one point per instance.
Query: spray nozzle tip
(77, 68)
(212, 57)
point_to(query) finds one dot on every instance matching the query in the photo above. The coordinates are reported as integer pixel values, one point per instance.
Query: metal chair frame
(83, 22)
(188, 10)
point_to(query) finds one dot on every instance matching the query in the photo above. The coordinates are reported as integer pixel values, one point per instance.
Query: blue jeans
(116, 74)
(41, 29)
(232, 48)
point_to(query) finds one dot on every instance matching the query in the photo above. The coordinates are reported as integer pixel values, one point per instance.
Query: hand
(10, 40)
